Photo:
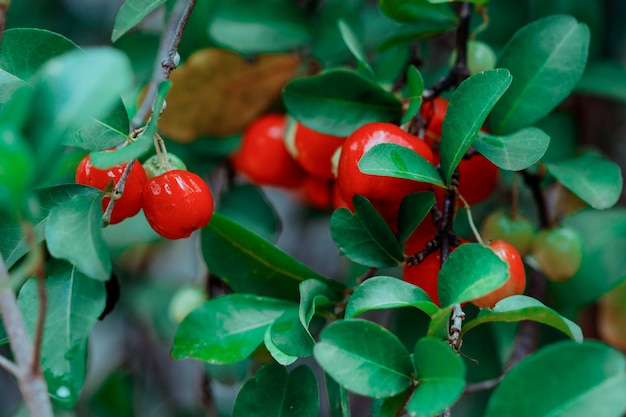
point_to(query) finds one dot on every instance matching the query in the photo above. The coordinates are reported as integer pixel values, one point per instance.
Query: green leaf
(439, 323)
(604, 244)
(365, 358)
(379, 293)
(593, 178)
(469, 106)
(546, 59)
(391, 406)
(142, 144)
(250, 264)
(247, 205)
(259, 26)
(356, 48)
(364, 237)
(74, 304)
(604, 79)
(411, 32)
(413, 210)
(417, 10)
(477, 2)
(568, 379)
(392, 160)
(274, 392)
(74, 233)
(290, 337)
(130, 14)
(13, 244)
(313, 294)
(338, 401)
(441, 377)
(415, 84)
(278, 355)
(471, 271)
(73, 89)
(516, 151)
(227, 329)
(338, 102)
(521, 307)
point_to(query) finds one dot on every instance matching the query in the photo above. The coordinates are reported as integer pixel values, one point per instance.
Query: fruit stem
(118, 190)
(161, 151)
(470, 220)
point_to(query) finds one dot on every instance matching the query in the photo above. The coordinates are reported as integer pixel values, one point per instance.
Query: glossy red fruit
(131, 201)
(515, 284)
(177, 203)
(385, 193)
(433, 112)
(311, 149)
(263, 157)
(318, 192)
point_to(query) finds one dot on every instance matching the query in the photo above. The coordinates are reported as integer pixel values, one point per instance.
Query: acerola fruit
(515, 284)
(154, 167)
(519, 232)
(433, 112)
(263, 157)
(318, 192)
(130, 202)
(478, 177)
(558, 253)
(312, 150)
(480, 57)
(186, 299)
(177, 203)
(385, 193)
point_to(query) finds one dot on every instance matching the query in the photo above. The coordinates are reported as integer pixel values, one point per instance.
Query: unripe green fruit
(154, 168)
(480, 57)
(558, 253)
(186, 299)
(519, 232)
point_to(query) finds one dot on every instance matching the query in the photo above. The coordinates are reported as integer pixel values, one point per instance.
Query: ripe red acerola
(130, 202)
(177, 203)
(385, 193)
(311, 149)
(263, 157)
(433, 112)
(515, 284)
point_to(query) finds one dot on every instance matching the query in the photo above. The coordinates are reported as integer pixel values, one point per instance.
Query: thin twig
(166, 57)
(9, 366)
(483, 385)
(455, 328)
(41, 318)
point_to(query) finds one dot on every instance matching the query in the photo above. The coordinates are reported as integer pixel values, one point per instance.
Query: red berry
(433, 112)
(177, 203)
(318, 192)
(130, 202)
(385, 193)
(516, 282)
(263, 157)
(312, 150)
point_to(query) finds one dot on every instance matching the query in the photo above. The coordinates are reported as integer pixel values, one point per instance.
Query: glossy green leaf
(142, 144)
(415, 84)
(356, 48)
(440, 323)
(338, 102)
(278, 355)
(273, 391)
(593, 178)
(469, 107)
(477, 2)
(259, 26)
(521, 307)
(364, 237)
(365, 358)
(130, 14)
(227, 329)
(515, 151)
(338, 401)
(13, 244)
(391, 160)
(604, 79)
(417, 10)
(74, 304)
(247, 205)
(441, 377)
(379, 293)
(413, 210)
(411, 32)
(290, 337)
(568, 379)
(250, 264)
(74, 233)
(546, 58)
(471, 271)
(327, 43)
(391, 406)
(604, 244)
(313, 294)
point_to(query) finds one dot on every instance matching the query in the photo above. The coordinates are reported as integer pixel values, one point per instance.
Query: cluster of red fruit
(175, 202)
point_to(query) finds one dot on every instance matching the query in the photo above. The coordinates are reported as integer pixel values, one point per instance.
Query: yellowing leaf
(217, 92)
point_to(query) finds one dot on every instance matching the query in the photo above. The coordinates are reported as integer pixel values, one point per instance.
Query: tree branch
(31, 383)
